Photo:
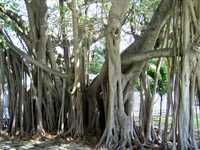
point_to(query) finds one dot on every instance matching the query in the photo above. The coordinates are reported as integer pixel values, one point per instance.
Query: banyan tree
(49, 51)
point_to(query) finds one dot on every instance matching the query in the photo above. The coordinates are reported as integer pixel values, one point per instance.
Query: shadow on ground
(15, 144)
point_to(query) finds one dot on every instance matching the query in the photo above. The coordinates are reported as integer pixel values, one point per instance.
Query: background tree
(49, 50)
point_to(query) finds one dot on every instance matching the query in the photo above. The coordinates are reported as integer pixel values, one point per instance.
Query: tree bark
(76, 127)
(1, 92)
(160, 116)
(149, 105)
(183, 120)
(37, 14)
(117, 128)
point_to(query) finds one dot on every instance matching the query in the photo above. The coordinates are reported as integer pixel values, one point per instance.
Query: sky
(94, 10)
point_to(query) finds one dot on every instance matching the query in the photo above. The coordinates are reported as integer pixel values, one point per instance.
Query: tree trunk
(76, 125)
(165, 133)
(175, 99)
(160, 116)
(149, 106)
(183, 120)
(118, 124)
(1, 92)
(37, 14)
(192, 100)
(62, 111)
(22, 100)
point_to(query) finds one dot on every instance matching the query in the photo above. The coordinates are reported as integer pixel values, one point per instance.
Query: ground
(88, 143)
(46, 143)
(43, 144)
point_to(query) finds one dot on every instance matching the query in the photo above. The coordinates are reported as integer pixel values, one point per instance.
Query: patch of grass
(156, 120)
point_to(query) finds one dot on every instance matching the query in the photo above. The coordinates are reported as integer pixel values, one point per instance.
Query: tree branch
(31, 60)
(148, 54)
(19, 26)
(147, 40)
(13, 16)
(145, 43)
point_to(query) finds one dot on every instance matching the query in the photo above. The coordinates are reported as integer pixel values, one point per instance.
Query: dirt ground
(42, 144)
(8, 143)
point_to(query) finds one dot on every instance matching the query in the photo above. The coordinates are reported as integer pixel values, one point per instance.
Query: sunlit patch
(72, 60)
(51, 3)
(6, 147)
(27, 146)
(78, 85)
(78, 63)
(67, 115)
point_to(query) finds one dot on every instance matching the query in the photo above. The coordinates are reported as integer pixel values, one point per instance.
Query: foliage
(163, 80)
(78, 33)
(145, 9)
(97, 60)
(11, 5)
(141, 13)
(162, 86)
